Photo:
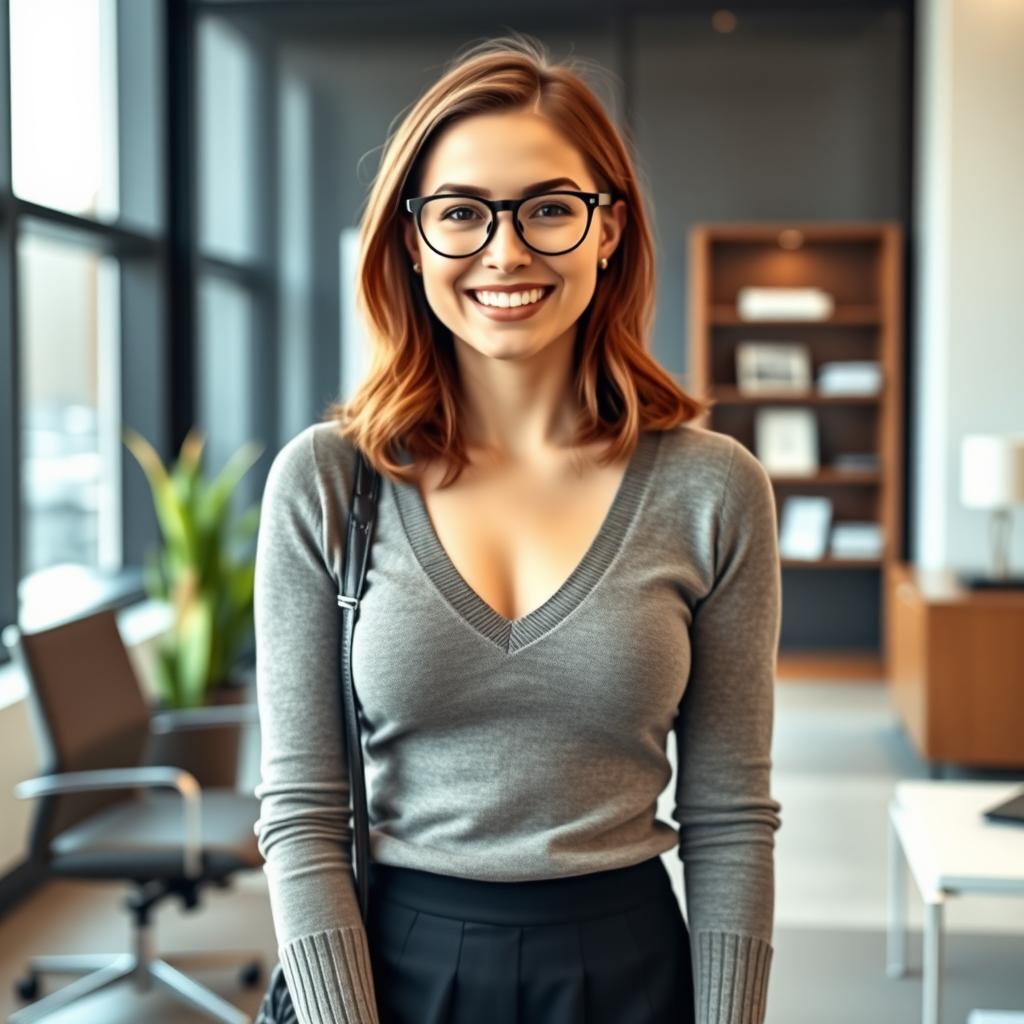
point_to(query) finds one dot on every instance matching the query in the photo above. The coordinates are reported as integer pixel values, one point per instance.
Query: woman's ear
(613, 222)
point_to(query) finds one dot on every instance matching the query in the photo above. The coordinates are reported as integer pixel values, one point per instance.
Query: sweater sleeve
(727, 817)
(304, 830)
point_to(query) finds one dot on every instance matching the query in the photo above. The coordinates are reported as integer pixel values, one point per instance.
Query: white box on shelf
(854, 377)
(762, 303)
(856, 539)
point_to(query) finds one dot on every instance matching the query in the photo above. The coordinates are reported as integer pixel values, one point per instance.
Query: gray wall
(788, 117)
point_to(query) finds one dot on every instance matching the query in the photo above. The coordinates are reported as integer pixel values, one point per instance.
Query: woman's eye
(459, 209)
(551, 206)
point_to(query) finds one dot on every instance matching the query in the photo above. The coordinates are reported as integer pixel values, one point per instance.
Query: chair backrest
(88, 711)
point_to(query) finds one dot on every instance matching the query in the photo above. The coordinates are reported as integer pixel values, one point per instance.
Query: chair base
(102, 971)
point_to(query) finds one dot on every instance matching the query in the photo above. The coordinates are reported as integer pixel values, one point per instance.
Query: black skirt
(605, 948)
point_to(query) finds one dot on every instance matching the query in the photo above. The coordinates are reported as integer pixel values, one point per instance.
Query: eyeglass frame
(592, 199)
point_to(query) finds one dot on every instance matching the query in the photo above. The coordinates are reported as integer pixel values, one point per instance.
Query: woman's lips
(510, 312)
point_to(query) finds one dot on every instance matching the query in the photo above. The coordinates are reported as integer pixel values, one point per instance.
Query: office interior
(180, 184)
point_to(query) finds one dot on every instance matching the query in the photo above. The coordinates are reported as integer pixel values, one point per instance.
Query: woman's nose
(505, 240)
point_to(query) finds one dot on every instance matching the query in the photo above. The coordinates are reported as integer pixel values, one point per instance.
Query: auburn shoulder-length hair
(408, 398)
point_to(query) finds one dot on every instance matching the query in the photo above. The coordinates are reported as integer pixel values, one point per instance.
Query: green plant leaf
(240, 583)
(170, 513)
(224, 484)
(153, 580)
(195, 631)
(167, 676)
(210, 592)
(191, 454)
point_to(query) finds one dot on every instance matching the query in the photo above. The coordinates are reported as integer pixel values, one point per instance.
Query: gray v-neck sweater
(527, 749)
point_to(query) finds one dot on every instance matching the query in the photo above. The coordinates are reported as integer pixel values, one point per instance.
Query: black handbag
(277, 1007)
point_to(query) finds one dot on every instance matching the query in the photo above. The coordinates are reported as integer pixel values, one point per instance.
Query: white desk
(951, 850)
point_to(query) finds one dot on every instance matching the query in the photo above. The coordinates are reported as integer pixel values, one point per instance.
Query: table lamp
(992, 477)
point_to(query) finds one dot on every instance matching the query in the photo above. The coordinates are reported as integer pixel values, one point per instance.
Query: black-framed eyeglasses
(552, 223)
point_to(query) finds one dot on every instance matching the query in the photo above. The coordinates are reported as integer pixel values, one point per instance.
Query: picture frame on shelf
(804, 527)
(773, 366)
(786, 439)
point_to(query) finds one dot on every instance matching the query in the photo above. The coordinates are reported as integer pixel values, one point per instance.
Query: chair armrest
(152, 777)
(203, 718)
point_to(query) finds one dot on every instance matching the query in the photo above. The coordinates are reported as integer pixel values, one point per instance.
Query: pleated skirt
(604, 948)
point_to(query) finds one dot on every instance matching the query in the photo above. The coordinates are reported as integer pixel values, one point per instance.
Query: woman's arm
(304, 827)
(727, 817)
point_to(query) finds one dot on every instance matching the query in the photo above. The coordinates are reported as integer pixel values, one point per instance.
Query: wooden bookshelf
(860, 265)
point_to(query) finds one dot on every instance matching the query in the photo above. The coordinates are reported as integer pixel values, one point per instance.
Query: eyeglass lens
(458, 226)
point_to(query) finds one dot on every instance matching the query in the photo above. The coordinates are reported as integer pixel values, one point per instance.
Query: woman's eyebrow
(540, 186)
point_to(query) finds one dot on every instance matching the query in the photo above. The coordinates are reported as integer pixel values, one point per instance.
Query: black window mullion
(180, 108)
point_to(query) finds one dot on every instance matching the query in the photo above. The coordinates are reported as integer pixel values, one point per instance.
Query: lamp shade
(992, 470)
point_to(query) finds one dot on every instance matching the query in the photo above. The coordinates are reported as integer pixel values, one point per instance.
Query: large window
(69, 406)
(83, 246)
(64, 104)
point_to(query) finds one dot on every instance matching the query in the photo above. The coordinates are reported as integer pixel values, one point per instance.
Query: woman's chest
(516, 536)
(587, 605)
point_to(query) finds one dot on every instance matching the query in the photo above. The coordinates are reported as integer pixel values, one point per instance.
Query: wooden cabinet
(957, 668)
(861, 266)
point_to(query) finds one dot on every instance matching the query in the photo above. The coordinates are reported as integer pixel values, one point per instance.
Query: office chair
(104, 814)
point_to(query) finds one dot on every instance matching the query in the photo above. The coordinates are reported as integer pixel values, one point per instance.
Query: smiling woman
(507, 176)
(560, 567)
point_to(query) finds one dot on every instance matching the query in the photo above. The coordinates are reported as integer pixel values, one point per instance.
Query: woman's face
(501, 155)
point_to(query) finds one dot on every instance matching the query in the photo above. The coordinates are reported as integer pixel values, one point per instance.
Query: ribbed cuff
(330, 978)
(731, 978)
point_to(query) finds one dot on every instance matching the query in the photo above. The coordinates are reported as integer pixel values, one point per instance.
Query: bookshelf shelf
(832, 563)
(831, 477)
(726, 395)
(860, 266)
(851, 316)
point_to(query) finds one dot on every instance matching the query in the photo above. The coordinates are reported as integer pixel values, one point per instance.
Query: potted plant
(210, 588)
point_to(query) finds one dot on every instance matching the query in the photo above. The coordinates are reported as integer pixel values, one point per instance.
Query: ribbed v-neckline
(512, 634)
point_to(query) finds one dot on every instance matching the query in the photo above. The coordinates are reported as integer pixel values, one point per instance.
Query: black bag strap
(362, 516)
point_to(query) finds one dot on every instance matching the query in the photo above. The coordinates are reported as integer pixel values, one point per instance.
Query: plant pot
(211, 753)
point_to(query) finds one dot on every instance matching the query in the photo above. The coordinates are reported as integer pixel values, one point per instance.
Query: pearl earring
(416, 267)
(604, 262)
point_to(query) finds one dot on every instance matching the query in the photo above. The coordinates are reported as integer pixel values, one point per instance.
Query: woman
(563, 571)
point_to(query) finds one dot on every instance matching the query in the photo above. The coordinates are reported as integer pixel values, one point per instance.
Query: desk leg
(931, 1012)
(896, 953)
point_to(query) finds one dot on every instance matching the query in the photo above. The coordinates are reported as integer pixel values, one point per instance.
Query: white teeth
(509, 299)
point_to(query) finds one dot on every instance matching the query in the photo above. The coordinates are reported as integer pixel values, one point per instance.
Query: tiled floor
(838, 750)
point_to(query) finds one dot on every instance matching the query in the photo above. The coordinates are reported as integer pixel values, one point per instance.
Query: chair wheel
(251, 974)
(27, 987)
